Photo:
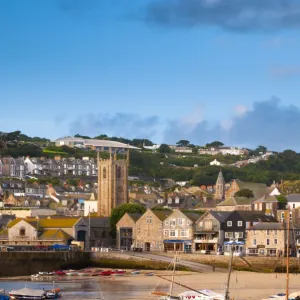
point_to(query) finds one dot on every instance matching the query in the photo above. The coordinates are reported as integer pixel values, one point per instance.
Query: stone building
(269, 239)
(220, 187)
(149, 230)
(178, 230)
(112, 183)
(34, 232)
(126, 231)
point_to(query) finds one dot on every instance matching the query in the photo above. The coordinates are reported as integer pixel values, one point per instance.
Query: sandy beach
(244, 285)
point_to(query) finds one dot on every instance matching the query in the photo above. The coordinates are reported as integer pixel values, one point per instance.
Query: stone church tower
(220, 187)
(112, 183)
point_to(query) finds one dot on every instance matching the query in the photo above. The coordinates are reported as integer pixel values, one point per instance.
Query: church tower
(112, 183)
(220, 187)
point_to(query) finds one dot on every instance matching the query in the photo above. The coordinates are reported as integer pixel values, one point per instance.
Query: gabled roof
(162, 214)
(193, 215)
(46, 223)
(134, 216)
(258, 189)
(221, 216)
(55, 235)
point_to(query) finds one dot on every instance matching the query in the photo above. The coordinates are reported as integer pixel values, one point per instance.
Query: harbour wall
(27, 263)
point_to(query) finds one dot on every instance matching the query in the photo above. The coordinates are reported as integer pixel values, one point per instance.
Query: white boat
(27, 294)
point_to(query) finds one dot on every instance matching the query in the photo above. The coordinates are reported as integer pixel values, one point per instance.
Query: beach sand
(243, 285)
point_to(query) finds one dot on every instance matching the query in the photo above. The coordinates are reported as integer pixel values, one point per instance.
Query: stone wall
(28, 263)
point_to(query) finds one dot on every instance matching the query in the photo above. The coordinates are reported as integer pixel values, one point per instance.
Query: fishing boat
(150, 274)
(135, 272)
(118, 272)
(106, 273)
(27, 294)
(60, 273)
(3, 295)
(53, 294)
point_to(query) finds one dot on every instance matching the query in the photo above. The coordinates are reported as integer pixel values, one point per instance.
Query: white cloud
(240, 109)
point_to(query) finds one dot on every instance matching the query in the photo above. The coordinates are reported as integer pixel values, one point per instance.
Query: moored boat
(135, 272)
(27, 294)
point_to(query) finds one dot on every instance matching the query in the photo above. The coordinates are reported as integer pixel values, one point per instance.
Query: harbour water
(88, 288)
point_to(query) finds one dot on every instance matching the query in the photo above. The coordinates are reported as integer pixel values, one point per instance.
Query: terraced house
(178, 230)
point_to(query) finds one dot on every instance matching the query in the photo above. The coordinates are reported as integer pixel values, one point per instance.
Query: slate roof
(293, 198)
(193, 215)
(266, 198)
(97, 221)
(268, 226)
(255, 216)
(162, 214)
(258, 189)
(134, 216)
(221, 216)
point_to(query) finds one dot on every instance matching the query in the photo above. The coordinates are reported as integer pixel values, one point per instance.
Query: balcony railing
(199, 240)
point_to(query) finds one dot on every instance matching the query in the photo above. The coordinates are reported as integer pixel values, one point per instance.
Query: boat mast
(229, 273)
(288, 255)
(173, 274)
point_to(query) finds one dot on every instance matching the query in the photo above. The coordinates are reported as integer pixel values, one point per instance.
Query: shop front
(178, 245)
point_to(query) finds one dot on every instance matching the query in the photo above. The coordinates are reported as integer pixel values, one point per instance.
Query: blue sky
(166, 70)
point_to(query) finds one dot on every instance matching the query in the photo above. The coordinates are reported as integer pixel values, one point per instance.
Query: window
(297, 232)
(118, 172)
(177, 200)
(268, 242)
(166, 232)
(159, 231)
(294, 205)
(167, 222)
(228, 235)
(229, 223)
(180, 221)
(139, 231)
(275, 241)
(268, 232)
(253, 251)
(254, 242)
(275, 232)
(183, 233)
(149, 219)
(22, 231)
(172, 233)
(169, 200)
(173, 222)
(104, 173)
(238, 235)
(240, 223)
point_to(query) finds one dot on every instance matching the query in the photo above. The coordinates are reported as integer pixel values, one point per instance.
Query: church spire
(220, 187)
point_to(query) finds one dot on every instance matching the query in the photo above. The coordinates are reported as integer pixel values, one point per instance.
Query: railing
(215, 240)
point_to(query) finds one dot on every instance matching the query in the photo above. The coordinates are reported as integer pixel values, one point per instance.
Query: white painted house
(293, 200)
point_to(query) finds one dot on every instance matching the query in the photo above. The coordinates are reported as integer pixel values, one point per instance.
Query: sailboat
(169, 295)
(191, 294)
